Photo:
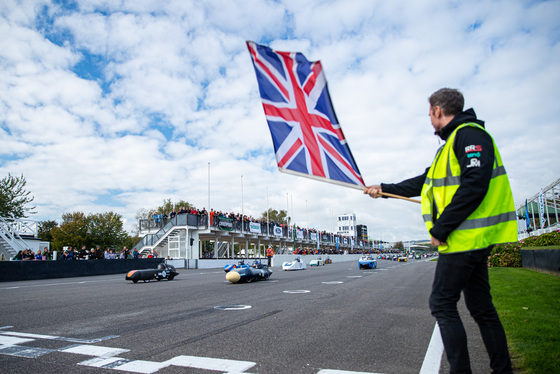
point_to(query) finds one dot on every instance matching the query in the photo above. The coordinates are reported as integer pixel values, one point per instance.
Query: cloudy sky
(117, 105)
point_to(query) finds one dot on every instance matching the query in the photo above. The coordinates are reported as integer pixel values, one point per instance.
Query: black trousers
(467, 272)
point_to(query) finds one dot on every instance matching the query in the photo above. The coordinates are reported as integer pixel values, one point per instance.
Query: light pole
(287, 210)
(242, 215)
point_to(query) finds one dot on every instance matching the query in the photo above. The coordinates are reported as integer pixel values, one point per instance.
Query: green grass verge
(547, 247)
(528, 303)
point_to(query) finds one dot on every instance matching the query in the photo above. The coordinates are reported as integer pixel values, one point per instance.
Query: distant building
(361, 232)
(346, 225)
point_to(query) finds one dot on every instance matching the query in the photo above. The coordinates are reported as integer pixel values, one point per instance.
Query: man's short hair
(450, 100)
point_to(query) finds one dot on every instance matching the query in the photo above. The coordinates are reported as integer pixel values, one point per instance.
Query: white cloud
(120, 105)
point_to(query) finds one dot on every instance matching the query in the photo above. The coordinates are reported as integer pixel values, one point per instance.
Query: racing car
(316, 262)
(240, 264)
(367, 262)
(247, 274)
(297, 264)
(163, 271)
(402, 258)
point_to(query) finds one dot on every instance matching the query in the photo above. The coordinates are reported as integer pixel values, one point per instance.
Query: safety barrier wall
(543, 260)
(31, 270)
(11, 271)
(277, 260)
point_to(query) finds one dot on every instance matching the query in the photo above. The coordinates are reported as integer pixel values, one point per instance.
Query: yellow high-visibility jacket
(493, 222)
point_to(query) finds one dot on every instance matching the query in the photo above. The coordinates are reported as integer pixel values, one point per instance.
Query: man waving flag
(307, 137)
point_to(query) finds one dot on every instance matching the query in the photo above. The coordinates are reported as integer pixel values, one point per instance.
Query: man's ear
(436, 111)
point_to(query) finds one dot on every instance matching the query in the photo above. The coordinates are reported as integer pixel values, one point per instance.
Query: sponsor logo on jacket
(475, 163)
(473, 148)
(472, 152)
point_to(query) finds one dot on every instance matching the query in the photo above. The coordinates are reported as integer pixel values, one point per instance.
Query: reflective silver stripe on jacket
(478, 223)
(451, 180)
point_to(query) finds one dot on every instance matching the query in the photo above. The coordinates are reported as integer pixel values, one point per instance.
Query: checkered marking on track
(12, 344)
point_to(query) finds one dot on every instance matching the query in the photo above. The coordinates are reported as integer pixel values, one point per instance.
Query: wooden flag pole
(399, 197)
(339, 183)
(386, 194)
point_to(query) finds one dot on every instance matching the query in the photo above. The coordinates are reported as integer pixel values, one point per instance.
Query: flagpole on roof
(287, 212)
(242, 214)
(307, 214)
(292, 203)
(267, 229)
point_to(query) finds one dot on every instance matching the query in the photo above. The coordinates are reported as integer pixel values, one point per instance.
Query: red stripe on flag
(297, 145)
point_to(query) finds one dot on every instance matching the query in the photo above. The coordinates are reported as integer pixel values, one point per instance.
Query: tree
(398, 245)
(276, 216)
(72, 232)
(44, 230)
(14, 198)
(106, 230)
(77, 229)
(131, 241)
(167, 207)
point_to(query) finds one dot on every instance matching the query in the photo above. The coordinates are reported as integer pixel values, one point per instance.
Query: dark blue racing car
(367, 262)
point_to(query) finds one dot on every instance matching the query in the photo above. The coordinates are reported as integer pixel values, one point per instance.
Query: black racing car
(257, 271)
(163, 271)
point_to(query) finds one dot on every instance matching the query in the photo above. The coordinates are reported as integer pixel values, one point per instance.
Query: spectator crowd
(70, 253)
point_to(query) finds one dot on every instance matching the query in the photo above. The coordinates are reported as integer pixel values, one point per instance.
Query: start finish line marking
(106, 357)
(51, 337)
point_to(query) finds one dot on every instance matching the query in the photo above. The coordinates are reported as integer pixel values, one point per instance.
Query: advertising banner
(255, 227)
(541, 210)
(225, 224)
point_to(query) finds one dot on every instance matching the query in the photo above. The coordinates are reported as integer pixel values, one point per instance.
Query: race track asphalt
(329, 319)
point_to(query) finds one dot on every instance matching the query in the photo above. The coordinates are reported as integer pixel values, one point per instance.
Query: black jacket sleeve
(474, 149)
(408, 188)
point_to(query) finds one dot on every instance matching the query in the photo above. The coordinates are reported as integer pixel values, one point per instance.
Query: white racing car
(316, 262)
(297, 264)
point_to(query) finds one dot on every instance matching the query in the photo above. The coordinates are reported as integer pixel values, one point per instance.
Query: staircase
(223, 249)
(11, 241)
(160, 238)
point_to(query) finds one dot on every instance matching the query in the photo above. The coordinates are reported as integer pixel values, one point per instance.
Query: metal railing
(270, 230)
(10, 233)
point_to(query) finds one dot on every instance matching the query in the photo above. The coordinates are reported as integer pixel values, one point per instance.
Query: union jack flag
(307, 137)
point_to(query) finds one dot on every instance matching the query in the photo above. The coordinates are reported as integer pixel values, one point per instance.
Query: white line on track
(327, 371)
(432, 360)
(55, 284)
(297, 291)
(233, 307)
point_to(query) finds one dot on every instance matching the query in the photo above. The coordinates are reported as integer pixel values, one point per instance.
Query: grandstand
(540, 213)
